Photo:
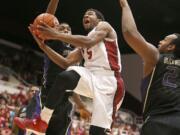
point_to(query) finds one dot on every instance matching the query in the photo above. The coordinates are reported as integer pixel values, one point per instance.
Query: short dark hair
(98, 14)
(176, 42)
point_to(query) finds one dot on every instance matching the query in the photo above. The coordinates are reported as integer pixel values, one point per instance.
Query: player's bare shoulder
(103, 25)
(111, 33)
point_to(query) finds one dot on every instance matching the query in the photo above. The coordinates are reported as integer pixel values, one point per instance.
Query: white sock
(46, 114)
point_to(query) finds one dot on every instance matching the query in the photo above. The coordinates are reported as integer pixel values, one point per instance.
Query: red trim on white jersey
(112, 51)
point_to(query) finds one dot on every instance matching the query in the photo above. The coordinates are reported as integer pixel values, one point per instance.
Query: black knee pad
(69, 79)
(66, 80)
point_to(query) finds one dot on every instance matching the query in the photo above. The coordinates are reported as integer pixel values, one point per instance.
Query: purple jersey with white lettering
(161, 89)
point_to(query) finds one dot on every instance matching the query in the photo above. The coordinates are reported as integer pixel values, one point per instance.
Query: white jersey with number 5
(100, 79)
(104, 55)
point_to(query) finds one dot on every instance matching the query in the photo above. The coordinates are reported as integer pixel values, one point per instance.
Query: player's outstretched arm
(52, 6)
(73, 57)
(147, 51)
(102, 30)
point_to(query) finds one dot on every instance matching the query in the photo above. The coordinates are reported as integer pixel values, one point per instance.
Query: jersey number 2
(170, 76)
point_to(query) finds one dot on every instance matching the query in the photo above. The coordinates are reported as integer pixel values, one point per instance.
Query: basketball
(47, 18)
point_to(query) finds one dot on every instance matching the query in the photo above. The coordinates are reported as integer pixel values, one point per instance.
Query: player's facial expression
(166, 42)
(64, 28)
(90, 20)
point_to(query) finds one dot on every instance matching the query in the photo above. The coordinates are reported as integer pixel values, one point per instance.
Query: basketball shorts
(106, 90)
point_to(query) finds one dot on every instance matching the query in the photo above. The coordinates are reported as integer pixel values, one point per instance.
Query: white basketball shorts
(107, 90)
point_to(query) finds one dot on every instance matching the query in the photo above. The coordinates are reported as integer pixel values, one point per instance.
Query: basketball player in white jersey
(99, 78)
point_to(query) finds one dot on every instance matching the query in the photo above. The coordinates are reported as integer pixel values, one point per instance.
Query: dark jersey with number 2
(161, 89)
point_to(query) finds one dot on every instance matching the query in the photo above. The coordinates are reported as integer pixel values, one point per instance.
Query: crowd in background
(9, 107)
(10, 104)
(26, 63)
(81, 127)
